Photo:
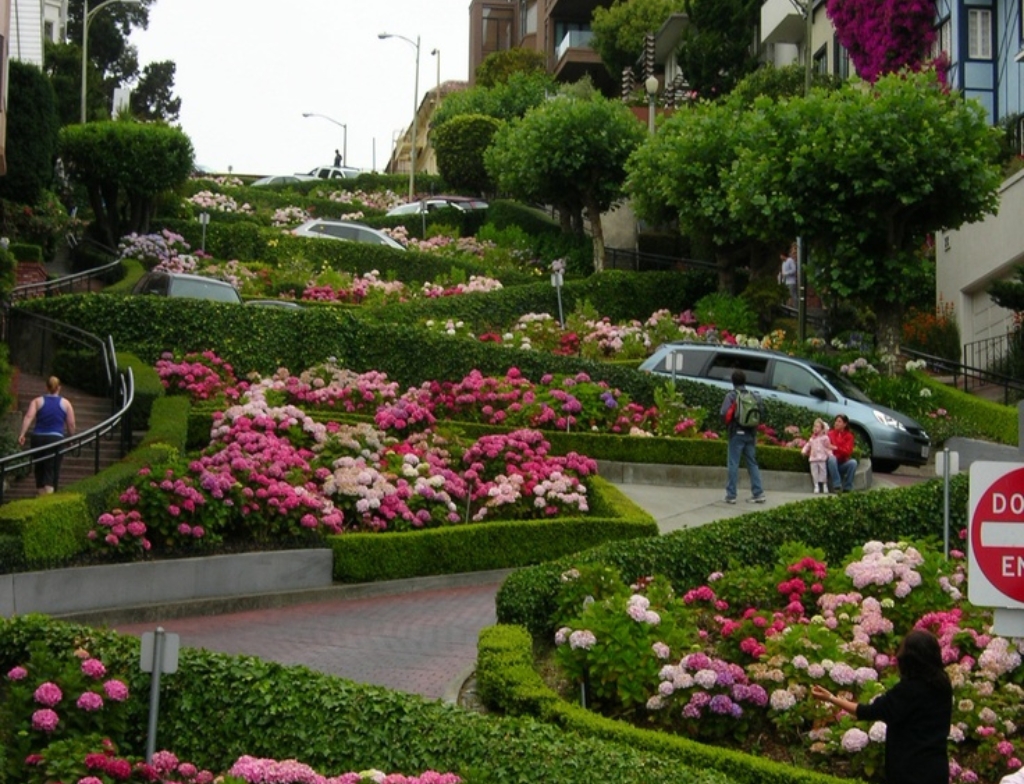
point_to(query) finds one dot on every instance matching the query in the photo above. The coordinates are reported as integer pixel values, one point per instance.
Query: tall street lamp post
(651, 86)
(415, 109)
(85, 39)
(437, 91)
(344, 135)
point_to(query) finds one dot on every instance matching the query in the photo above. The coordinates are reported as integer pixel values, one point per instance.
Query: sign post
(996, 543)
(159, 653)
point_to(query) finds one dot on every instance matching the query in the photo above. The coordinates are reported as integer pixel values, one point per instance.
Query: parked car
(465, 203)
(330, 173)
(345, 230)
(893, 438)
(181, 284)
(276, 180)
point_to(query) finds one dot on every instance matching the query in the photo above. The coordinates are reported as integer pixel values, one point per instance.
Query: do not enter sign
(996, 534)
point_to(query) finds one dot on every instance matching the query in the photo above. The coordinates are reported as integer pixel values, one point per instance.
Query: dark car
(183, 284)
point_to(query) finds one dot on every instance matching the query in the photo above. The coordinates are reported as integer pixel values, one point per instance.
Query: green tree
(152, 98)
(865, 175)
(1009, 293)
(570, 153)
(32, 128)
(497, 67)
(505, 101)
(679, 173)
(778, 83)
(460, 145)
(619, 30)
(715, 50)
(124, 166)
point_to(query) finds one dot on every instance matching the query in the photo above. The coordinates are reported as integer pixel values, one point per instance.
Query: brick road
(420, 643)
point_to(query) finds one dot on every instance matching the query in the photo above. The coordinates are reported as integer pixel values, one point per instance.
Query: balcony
(781, 23)
(576, 39)
(574, 59)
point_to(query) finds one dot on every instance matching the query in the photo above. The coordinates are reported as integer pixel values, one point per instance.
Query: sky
(247, 70)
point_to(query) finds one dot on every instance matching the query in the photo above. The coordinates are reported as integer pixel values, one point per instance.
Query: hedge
(506, 680)
(836, 524)
(982, 417)
(217, 707)
(51, 529)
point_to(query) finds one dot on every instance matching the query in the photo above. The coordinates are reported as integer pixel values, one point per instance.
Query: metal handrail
(620, 258)
(79, 336)
(960, 370)
(61, 285)
(20, 461)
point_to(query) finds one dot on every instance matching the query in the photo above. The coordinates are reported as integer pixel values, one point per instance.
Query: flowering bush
(268, 771)
(201, 375)
(218, 202)
(758, 638)
(152, 250)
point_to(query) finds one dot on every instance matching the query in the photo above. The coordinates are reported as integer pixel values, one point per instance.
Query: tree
(113, 61)
(1009, 293)
(570, 153)
(152, 99)
(715, 51)
(460, 145)
(505, 101)
(866, 175)
(497, 67)
(883, 36)
(124, 166)
(619, 30)
(777, 83)
(32, 128)
(680, 172)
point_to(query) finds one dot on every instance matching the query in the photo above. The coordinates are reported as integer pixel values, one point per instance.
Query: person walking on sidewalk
(841, 466)
(742, 411)
(48, 415)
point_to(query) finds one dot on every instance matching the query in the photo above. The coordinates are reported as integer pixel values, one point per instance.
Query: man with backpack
(743, 411)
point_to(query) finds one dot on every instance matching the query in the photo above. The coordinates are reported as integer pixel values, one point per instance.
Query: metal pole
(415, 126)
(801, 291)
(945, 502)
(344, 144)
(809, 34)
(154, 692)
(85, 56)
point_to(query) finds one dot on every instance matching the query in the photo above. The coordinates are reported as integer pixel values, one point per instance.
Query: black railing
(34, 342)
(635, 261)
(967, 376)
(66, 284)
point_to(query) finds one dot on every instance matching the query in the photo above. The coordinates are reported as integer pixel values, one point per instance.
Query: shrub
(935, 333)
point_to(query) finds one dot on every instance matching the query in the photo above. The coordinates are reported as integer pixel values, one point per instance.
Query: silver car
(345, 230)
(893, 438)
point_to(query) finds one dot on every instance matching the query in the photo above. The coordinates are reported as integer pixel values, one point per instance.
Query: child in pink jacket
(818, 448)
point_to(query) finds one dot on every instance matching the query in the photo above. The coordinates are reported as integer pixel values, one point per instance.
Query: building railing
(33, 341)
(968, 376)
(65, 284)
(635, 261)
(574, 39)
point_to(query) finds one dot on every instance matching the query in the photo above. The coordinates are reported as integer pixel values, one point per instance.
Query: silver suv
(893, 438)
(345, 230)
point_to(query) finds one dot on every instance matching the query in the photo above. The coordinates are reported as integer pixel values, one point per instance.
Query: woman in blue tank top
(51, 415)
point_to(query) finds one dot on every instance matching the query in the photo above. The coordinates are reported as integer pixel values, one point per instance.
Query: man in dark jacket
(742, 441)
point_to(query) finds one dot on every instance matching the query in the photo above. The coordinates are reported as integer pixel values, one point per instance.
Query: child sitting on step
(818, 448)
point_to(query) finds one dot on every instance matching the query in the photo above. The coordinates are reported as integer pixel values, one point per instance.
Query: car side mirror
(819, 392)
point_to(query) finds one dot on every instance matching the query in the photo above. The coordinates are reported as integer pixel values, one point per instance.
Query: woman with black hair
(917, 713)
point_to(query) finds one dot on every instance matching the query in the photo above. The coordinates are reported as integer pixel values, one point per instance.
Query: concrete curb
(714, 476)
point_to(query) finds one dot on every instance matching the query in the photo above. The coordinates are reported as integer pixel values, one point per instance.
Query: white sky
(248, 69)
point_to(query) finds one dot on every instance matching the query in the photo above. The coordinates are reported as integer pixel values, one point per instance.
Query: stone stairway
(89, 411)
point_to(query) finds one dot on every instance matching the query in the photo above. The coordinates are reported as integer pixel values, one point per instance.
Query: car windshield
(843, 384)
(201, 289)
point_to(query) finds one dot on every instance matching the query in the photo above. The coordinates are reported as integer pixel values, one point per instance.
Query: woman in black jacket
(917, 713)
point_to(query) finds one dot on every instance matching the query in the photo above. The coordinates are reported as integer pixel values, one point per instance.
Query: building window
(943, 43)
(48, 32)
(842, 65)
(821, 61)
(497, 30)
(528, 17)
(979, 34)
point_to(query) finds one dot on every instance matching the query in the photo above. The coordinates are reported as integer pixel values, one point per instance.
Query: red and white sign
(995, 531)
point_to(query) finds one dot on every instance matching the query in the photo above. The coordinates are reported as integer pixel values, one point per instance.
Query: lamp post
(651, 86)
(85, 39)
(344, 135)
(415, 109)
(437, 91)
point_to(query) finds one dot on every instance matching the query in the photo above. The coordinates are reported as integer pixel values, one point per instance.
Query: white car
(345, 230)
(330, 173)
(431, 203)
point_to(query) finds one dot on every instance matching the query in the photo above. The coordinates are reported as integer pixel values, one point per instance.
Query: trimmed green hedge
(507, 680)
(836, 524)
(217, 707)
(494, 545)
(52, 528)
(982, 417)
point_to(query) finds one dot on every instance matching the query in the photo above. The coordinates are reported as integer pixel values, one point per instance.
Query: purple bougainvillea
(884, 35)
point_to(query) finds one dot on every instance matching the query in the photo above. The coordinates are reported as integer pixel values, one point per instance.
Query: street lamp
(415, 108)
(85, 39)
(344, 136)
(651, 86)
(437, 92)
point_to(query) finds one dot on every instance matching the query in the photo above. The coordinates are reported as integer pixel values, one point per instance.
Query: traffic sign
(996, 535)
